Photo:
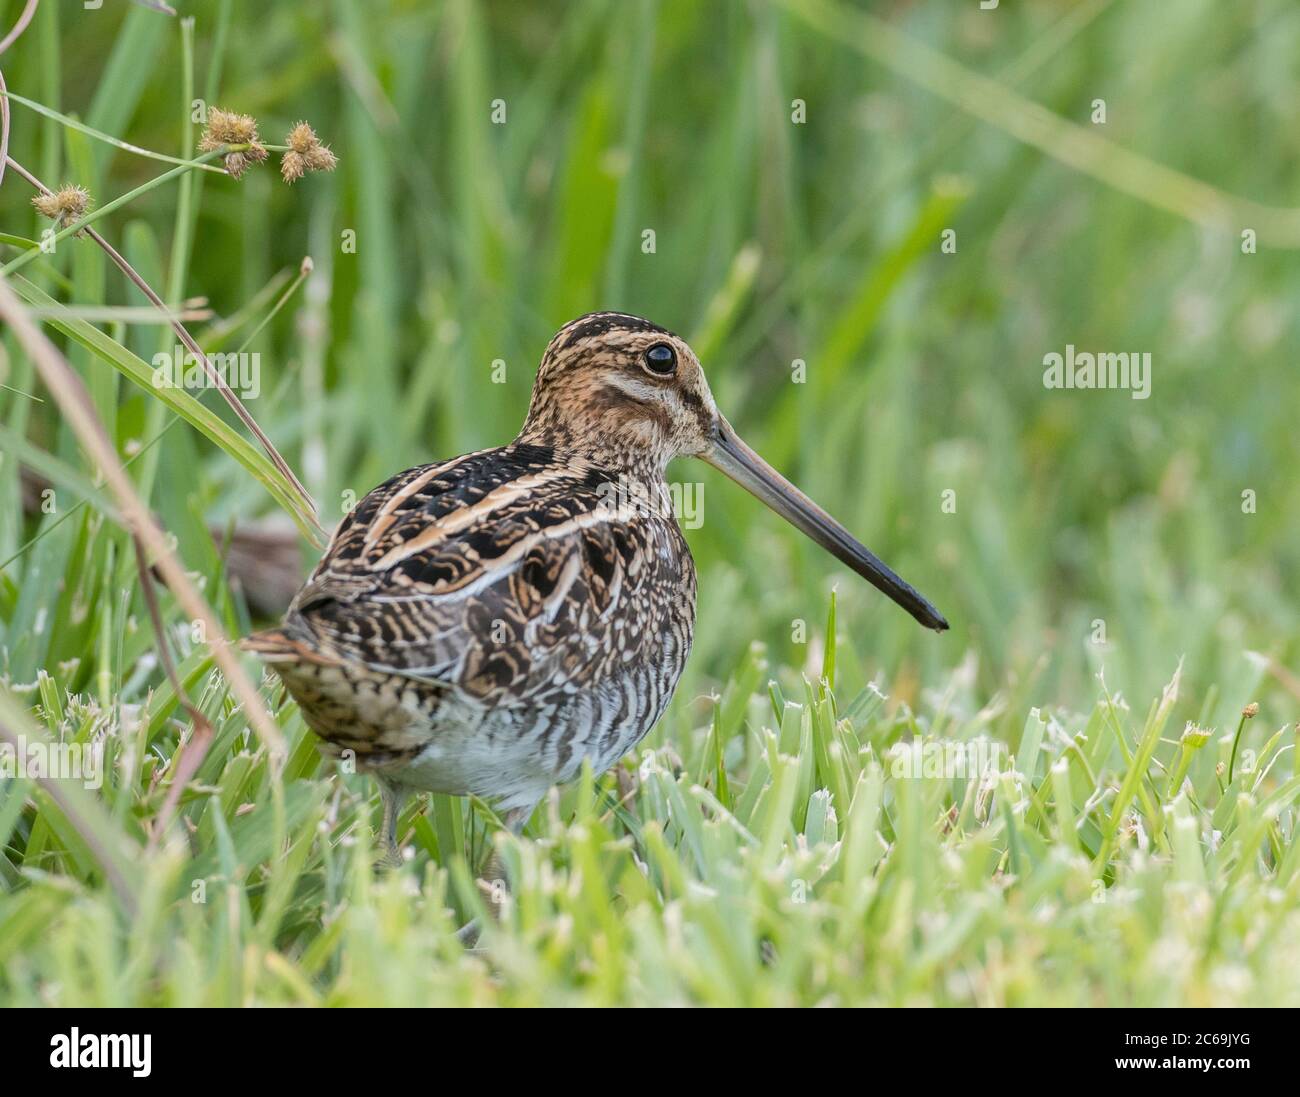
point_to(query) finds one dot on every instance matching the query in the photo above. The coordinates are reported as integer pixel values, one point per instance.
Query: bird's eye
(661, 359)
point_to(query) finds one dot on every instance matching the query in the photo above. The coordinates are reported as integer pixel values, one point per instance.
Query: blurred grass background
(774, 241)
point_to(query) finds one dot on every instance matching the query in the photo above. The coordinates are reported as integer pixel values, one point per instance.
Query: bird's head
(622, 386)
(624, 393)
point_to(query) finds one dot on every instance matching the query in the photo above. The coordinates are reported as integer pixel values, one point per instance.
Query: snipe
(484, 625)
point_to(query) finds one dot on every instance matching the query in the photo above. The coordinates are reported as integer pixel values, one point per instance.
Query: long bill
(730, 455)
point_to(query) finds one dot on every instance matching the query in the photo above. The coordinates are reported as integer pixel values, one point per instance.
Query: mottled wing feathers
(500, 573)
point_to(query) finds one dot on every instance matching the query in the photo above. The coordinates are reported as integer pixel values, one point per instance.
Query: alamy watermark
(114, 1051)
(183, 369)
(1081, 369)
(39, 760)
(946, 759)
(629, 497)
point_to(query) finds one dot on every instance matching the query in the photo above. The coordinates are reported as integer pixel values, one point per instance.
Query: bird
(488, 624)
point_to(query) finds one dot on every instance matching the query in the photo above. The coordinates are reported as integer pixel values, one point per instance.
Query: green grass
(784, 853)
(763, 846)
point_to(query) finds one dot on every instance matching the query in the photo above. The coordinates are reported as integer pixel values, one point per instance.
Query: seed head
(225, 127)
(66, 205)
(305, 154)
(228, 128)
(1251, 710)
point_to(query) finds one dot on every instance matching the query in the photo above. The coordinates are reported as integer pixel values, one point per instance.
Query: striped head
(623, 390)
(625, 394)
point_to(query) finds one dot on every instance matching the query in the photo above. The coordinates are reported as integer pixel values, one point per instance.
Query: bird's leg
(516, 818)
(494, 869)
(392, 796)
(493, 881)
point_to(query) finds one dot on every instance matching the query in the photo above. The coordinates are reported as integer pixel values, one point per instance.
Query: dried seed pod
(306, 153)
(67, 205)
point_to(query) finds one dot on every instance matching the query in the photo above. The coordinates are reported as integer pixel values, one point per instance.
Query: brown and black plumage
(486, 624)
